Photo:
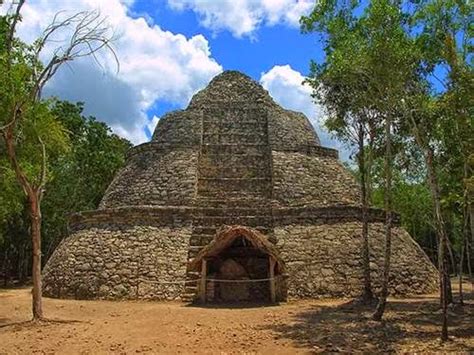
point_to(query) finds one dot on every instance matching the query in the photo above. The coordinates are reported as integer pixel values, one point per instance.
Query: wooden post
(202, 288)
(271, 274)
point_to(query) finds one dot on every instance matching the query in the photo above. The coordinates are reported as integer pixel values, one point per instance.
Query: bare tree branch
(11, 34)
(16, 112)
(9, 139)
(42, 180)
(90, 34)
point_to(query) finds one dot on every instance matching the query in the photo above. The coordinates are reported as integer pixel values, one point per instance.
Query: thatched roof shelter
(227, 235)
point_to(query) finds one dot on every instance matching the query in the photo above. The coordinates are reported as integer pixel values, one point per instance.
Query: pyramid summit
(232, 188)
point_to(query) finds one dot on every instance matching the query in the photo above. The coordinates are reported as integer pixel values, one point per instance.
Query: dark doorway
(240, 266)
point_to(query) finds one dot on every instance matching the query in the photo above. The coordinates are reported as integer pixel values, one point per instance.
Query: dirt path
(101, 327)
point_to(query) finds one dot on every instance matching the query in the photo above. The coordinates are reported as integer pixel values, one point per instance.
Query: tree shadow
(414, 324)
(6, 323)
(231, 305)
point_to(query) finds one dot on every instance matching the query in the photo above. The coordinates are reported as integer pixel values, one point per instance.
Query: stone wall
(181, 128)
(126, 252)
(233, 157)
(325, 260)
(120, 261)
(313, 180)
(289, 129)
(155, 176)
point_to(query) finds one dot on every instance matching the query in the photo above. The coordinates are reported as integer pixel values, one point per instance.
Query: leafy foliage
(77, 180)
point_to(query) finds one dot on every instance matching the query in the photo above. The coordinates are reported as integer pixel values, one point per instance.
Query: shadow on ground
(409, 325)
(7, 323)
(231, 305)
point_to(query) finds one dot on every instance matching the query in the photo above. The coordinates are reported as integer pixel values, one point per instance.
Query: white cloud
(286, 87)
(244, 17)
(154, 65)
(150, 127)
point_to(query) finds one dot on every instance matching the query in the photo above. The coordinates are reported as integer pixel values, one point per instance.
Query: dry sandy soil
(101, 327)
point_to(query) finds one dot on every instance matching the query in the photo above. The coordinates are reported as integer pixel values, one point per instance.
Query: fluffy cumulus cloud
(286, 87)
(244, 17)
(154, 65)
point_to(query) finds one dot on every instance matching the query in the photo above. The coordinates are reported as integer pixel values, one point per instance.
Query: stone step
(234, 127)
(224, 149)
(235, 180)
(193, 275)
(260, 187)
(193, 251)
(244, 121)
(226, 170)
(244, 194)
(201, 239)
(213, 162)
(188, 297)
(232, 203)
(191, 286)
(237, 137)
(204, 230)
(218, 221)
(263, 210)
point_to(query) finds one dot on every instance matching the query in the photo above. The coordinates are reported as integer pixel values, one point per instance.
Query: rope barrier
(215, 280)
(168, 282)
(241, 281)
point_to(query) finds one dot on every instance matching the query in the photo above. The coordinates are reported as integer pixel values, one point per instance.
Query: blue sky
(170, 49)
(278, 44)
(253, 55)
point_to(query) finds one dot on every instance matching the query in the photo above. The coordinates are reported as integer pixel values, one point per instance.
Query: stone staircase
(234, 179)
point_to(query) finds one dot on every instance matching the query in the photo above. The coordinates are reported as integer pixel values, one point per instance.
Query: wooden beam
(271, 275)
(202, 288)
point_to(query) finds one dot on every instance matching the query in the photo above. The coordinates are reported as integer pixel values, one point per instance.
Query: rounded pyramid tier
(222, 182)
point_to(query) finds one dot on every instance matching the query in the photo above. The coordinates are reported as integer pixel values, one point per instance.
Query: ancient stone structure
(232, 190)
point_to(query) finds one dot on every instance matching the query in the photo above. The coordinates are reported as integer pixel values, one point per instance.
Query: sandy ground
(103, 327)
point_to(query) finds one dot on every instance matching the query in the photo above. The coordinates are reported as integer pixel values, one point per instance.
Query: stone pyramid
(225, 181)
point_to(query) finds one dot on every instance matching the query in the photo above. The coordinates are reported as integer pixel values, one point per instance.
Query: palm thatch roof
(226, 236)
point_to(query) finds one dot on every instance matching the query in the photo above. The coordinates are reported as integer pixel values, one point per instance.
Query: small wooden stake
(272, 279)
(202, 288)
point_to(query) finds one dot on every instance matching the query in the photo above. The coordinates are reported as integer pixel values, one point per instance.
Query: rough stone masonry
(232, 157)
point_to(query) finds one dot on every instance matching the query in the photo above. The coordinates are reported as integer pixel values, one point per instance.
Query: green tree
(76, 182)
(395, 48)
(29, 129)
(341, 90)
(366, 52)
(80, 177)
(446, 40)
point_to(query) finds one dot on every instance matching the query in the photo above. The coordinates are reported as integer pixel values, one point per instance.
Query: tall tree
(373, 46)
(339, 88)
(29, 130)
(446, 40)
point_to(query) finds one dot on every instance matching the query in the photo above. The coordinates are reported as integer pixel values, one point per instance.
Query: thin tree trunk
(461, 262)
(451, 258)
(441, 232)
(447, 275)
(35, 217)
(34, 195)
(5, 267)
(469, 269)
(439, 223)
(465, 235)
(379, 311)
(367, 294)
(449, 290)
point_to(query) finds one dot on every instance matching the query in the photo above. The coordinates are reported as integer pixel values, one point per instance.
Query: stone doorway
(239, 266)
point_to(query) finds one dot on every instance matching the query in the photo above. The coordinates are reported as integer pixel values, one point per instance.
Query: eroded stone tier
(233, 157)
